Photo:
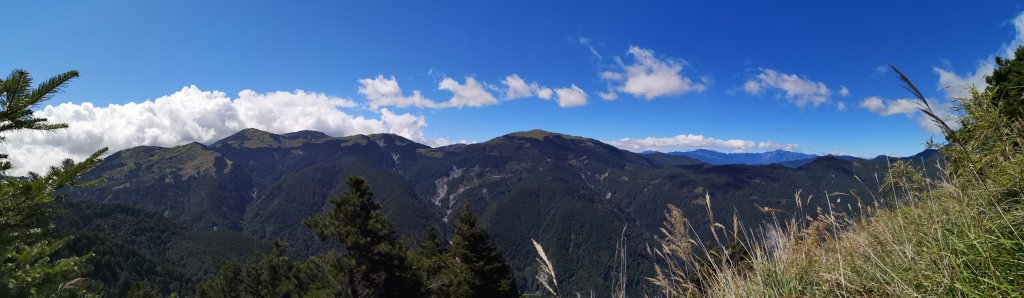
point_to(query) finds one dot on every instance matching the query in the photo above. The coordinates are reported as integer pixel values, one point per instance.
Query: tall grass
(956, 235)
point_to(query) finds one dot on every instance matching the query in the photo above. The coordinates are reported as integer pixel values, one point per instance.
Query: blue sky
(133, 51)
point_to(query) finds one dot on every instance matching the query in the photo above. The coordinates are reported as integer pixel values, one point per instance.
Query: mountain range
(718, 158)
(576, 196)
(781, 157)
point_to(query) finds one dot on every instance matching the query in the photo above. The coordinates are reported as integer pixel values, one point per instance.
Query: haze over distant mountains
(763, 158)
(572, 194)
(781, 157)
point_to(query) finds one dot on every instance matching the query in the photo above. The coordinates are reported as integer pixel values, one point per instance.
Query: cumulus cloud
(956, 85)
(469, 94)
(571, 96)
(650, 77)
(799, 91)
(545, 93)
(911, 108)
(843, 91)
(516, 87)
(900, 106)
(841, 106)
(752, 87)
(610, 95)
(381, 91)
(406, 125)
(691, 141)
(873, 104)
(192, 115)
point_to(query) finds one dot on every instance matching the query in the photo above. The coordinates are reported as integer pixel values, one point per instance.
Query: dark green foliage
(132, 246)
(227, 283)
(275, 275)
(481, 268)
(376, 264)
(143, 290)
(1007, 86)
(272, 275)
(432, 263)
(381, 267)
(27, 265)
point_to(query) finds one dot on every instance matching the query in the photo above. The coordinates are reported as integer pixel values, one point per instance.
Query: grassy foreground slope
(958, 235)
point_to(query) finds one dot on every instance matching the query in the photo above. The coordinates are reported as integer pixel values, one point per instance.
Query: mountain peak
(535, 133)
(305, 135)
(250, 138)
(542, 135)
(390, 139)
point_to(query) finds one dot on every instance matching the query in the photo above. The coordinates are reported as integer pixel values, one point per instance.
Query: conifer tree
(227, 283)
(272, 275)
(431, 262)
(484, 272)
(26, 247)
(1007, 85)
(381, 267)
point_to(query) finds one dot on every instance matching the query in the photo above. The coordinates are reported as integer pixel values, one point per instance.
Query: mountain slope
(131, 246)
(572, 194)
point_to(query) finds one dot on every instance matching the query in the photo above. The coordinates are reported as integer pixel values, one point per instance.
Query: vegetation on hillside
(955, 235)
(375, 263)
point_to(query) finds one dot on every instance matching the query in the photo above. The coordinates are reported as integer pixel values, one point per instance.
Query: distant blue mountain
(718, 158)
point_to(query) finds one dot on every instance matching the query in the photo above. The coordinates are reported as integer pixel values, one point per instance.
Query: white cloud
(610, 95)
(841, 106)
(752, 87)
(799, 91)
(843, 91)
(956, 86)
(382, 92)
(192, 115)
(516, 87)
(586, 42)
(650, 77)
(571, 96)
(612, 76)
(468, 94)
(406, 125)
(690, 141)
(901, 106)
(873, 104)
(911, 108)
(440, 142)
(545, 93)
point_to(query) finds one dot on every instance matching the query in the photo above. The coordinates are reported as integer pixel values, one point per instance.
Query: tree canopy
(1007, 85)
(27, 267)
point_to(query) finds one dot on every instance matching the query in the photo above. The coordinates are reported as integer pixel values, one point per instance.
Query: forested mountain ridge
(573, 194)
